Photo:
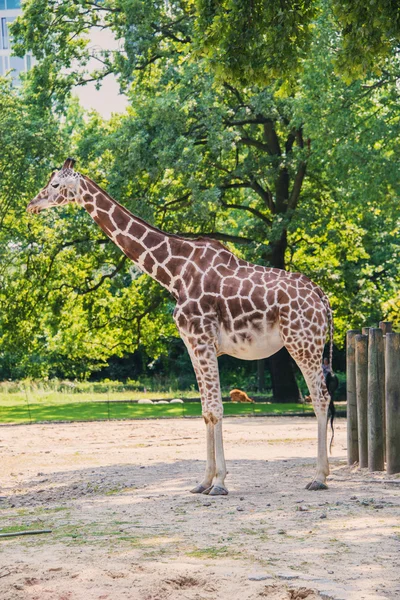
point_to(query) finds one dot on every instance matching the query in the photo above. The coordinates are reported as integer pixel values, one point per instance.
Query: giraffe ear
(69, 163)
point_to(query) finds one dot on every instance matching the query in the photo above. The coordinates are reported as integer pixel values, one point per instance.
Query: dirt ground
(124, 525)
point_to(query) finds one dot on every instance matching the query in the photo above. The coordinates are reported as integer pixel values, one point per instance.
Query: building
(106, 101)
(9, 11)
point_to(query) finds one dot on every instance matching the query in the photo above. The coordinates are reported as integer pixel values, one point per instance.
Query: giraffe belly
(254, 347)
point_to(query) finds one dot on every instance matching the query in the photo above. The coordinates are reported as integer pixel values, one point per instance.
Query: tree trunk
(284, 385)
(277, 253)
(261, 375)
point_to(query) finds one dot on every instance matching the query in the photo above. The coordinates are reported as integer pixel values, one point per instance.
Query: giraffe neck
(148, 247)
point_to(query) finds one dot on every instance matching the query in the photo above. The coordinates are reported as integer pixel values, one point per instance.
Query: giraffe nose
(33, 207)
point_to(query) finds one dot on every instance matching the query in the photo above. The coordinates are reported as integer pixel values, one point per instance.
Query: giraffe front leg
(218, 488)
(205, 364)
(213, 411)
(206, 484)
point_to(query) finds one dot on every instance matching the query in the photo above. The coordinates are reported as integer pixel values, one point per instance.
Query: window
(17, 64)
(2, 4)
(3, 34)
(12, 4)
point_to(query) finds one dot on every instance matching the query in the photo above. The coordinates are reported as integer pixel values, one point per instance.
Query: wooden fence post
(375, 400)
(361, 349)
(392, 375)
(352, 427)
(386, 327)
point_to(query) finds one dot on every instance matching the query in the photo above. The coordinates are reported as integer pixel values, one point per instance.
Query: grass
(16, 408)
(211, 552)
(49, 396)
(17, 528)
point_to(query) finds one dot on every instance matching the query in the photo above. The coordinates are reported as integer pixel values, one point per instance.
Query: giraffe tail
(331, 417)
(329, 315)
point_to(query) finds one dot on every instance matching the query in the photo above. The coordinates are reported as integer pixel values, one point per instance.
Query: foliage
(65, 307)
(245, 43)
(29, 141)
(370, 33)
(254, 42)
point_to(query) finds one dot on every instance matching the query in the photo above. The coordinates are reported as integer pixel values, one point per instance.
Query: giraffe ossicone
(224, 305)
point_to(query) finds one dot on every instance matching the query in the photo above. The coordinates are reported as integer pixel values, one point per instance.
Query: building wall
(9, 11)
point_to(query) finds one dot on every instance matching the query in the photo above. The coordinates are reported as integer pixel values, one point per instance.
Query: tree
(247, 164)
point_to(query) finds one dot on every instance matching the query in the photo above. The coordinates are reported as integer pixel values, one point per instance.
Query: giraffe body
(224, 305)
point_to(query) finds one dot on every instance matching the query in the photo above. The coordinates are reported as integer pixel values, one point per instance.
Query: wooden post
(365, 330)
(386, 327)
(361, 348)
(392, 359)
(375, 400)
(352, 428)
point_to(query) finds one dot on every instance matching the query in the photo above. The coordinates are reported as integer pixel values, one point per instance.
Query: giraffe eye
(55, 185)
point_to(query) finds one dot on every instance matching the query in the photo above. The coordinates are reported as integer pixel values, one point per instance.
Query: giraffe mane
(201, 239)
(209, 241)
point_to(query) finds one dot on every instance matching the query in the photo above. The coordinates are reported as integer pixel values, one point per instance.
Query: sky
(107, 100)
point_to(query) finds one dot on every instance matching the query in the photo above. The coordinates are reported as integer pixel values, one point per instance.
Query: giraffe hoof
(217, 490)
(206, 491)
(316, 485)
(199, 489)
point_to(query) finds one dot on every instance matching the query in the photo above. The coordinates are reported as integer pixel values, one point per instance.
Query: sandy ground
(124, 525)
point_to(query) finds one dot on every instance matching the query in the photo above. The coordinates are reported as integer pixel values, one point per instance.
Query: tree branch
(256, 121)
(299, 137)
(148, 62)
(251, 210)
(250, 142)
(111, 275)
(235, 92)
(266, 195)
(167, 33)
(271, 138)
(82, 241)
(167, 205)
(290, 141)
(101, 75)
(298, 182)
(96, 6)
(232, 186)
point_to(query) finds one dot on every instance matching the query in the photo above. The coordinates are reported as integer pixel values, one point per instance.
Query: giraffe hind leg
(320, 402)
(310, 364)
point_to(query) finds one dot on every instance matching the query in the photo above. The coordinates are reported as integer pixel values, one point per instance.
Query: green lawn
(14, 408)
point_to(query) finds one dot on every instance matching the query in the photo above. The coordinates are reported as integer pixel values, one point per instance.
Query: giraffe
(224, 305)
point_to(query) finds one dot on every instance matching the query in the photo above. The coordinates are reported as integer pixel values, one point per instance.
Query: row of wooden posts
(373, 398)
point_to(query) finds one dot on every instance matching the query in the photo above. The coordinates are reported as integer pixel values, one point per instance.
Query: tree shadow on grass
(99, 411)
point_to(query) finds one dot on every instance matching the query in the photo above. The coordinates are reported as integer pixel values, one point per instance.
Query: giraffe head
(62, 188)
